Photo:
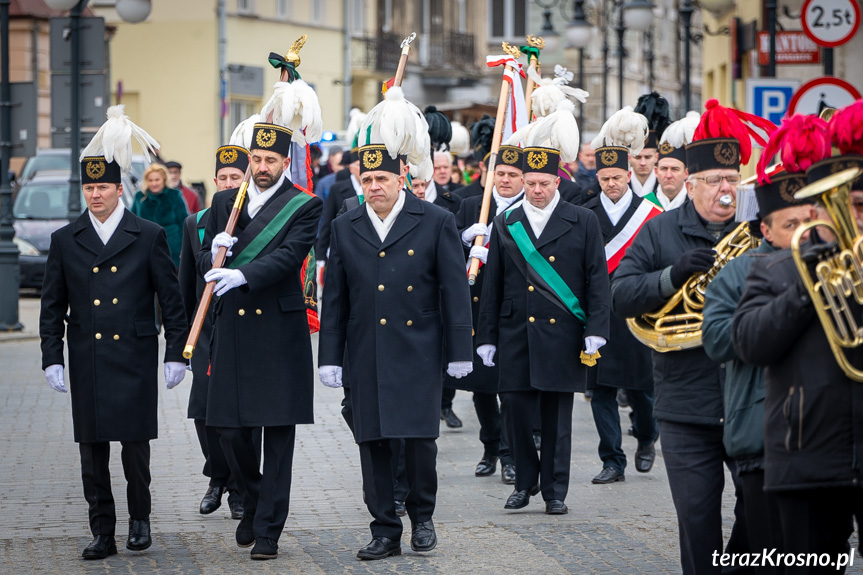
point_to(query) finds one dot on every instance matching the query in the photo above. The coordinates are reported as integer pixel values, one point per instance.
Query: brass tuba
(838, 274)
(665, 331)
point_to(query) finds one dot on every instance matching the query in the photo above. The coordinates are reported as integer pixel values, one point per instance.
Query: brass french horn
(836, 289)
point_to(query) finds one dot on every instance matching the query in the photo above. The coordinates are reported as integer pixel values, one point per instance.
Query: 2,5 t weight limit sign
(830, 23)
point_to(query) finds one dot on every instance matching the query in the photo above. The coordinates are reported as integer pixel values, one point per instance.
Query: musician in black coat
(483, 381)
(626, 363)
(261, 371)
(398, 302)
(539, 328)
(104, 270)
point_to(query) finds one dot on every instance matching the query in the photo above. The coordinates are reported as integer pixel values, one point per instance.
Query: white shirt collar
(431, 192)
(383, 226)
(671, 204)
(357, 187)
(503, 203)
(640, 189)
(538, 218)
(616, 211)
(107, 229)
(257, 197)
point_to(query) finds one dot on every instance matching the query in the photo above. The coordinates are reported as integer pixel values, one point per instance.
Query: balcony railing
(447, 51)
(451, 51)
(379, 53)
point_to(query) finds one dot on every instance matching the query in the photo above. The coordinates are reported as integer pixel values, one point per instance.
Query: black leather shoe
(519, 499)
(265, 548)
(556, 507)
(608, 475)
(537, 441)
(486, 466)
(450, 418)
(401, 510)
(423, 537)
(644, 458)
(212, 500)
(245, 534)
(139, 535)
(507, 473)
(101, 547)
(380, 548)
(236, 505)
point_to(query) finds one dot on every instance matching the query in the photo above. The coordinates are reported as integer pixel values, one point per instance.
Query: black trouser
(420, 465)
(447, 397)
(761, 509)
(607, 420)
(693, 456)
(347, 410)
(817, 521)
(96, 477)
(399, 470)
(492, 428)
(215, 464)
(266, 496)
(549, 468)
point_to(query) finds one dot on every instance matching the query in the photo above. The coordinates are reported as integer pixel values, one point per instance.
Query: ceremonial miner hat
(510, 156)
(722, 138)
(845, 130)
(622, 135)
(272, 138)
(676, 136)
(110, 151)
(481, 135)
(440, 129)
(232, 156)
(655, 108)
(541, 159)
(395, 131)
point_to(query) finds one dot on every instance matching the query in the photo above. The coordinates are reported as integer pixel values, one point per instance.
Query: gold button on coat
(475, 298)
(410, 288)
(410, 252)
(382, 254)
(529, 288)
(115, 300)
(551, 258)
(98, 336)
(410, 323)
(96, 302)
(259, 312)
(381, 287)
(116, 337)
(242, 312)
(551, 321)
(531, 319)
(113, 269)
(383, 321)
(95, 270)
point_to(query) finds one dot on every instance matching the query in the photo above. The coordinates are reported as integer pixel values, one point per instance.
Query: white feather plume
(550, 92)
(680, 133)
(356, 120)
(558, 130)
(295, 106)
(114, 139)
(424, 171)
(242, 134)
(399, 125)
(625, 128)
(460, 142)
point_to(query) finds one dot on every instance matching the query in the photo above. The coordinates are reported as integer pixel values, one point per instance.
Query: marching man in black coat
(545, 296)
(627, 364)
(105, 268)
(398, 303)
(261, 354)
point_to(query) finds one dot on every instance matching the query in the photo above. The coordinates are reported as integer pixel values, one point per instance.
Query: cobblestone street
(626, 527)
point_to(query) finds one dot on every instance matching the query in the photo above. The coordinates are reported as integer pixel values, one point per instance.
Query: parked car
(40, 208)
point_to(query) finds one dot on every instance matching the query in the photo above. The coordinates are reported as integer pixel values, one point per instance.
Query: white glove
(227, 278)
(470, 234)
(222, 240)
(479, 252)
(175, 371)
(592, 343)
(54, 375)
(330, 375)
(459, 369)
(486, 354)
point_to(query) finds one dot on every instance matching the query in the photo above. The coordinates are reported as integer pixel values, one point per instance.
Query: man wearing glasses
(670, 249)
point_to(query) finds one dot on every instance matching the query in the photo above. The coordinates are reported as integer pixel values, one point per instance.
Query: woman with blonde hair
(162, 205)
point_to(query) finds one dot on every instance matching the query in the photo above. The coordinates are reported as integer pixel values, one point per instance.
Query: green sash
(270, 231)
(545, 271)
(651, 197)
(198, 221)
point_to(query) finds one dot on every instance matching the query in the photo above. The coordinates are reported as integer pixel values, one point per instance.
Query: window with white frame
(357, 24)
(245, 6)
(507, 19)
(318, 11)
(284, 9)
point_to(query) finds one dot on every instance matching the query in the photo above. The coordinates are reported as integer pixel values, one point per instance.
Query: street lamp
(578, 35)
(133, 11)
(552, 49)
(716, 7)
(634, 15)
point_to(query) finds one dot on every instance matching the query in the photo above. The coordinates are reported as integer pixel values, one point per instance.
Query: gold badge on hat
(537, 160)
(788, 188)
(228, 156)
(725, 154)
(372, 159)
(95, 169)
(509, 157)
(666, 148)
(608, 157)
(266, 138)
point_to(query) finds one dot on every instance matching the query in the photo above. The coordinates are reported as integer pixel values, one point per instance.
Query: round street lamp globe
(717, 7)
(133, 11)
(638, 15)
(578, 34)
(61, 5)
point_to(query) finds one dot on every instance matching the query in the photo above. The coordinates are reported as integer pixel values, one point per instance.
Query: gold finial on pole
(510, 49)
(293, 55)
(536, 42)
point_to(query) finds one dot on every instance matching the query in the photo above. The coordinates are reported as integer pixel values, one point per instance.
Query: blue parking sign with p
(769, 97)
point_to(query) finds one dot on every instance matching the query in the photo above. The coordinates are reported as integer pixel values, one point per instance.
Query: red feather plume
(800, 142)
(721, 122)
(846, 129)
